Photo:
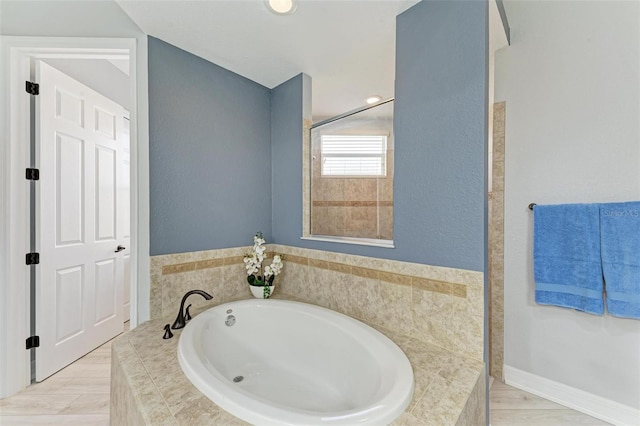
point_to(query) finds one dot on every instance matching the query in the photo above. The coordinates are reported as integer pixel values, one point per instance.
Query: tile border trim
(215, 262)
(427, 284)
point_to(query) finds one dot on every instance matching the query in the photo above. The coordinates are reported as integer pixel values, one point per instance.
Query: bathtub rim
(266, 412)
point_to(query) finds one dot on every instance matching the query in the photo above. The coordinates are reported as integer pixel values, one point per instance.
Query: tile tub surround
(220, 273)
(440, 306)
(148, 386)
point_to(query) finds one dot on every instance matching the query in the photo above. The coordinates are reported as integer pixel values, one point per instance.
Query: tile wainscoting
(434, 314)
(218, 272)
(440, 306)
(437, 305)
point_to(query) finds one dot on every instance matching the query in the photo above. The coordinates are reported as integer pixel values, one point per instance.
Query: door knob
(120, 248)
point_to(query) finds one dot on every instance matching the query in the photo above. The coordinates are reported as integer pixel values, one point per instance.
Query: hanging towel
(620, 242)
(566, 256)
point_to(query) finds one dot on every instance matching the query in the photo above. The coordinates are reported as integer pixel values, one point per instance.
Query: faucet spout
(180, 321)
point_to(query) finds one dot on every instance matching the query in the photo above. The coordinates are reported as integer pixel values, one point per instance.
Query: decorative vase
(260, 292)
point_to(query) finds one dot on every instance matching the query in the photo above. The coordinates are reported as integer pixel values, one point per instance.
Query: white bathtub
(295, 364)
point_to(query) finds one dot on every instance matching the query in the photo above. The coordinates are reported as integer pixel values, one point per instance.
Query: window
(354, 155)
(349, 195)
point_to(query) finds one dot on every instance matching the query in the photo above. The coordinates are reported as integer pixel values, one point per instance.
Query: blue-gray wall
(441, 137)
(209, 154)
(441, 133)
(287, 113)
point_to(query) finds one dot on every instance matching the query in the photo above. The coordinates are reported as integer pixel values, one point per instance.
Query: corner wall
(440, 135)
(209, 152)
(290, 107)
(571, 80)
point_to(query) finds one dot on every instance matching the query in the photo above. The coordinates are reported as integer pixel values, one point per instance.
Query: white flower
(275, 267)
(251, 264)
(253, 261)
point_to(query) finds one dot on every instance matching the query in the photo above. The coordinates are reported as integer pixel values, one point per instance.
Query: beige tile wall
(306, 176)
(220, 273)
(496, 246)
(475, 410)
(353, 207)
(440, 306)
(361, 208)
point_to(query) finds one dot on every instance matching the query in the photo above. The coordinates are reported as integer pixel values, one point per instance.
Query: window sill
(351, 240)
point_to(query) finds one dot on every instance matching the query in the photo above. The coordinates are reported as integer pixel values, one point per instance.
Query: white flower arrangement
(253, 264)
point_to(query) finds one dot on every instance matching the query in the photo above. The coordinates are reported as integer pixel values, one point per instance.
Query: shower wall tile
(306, 177)
(496, 244)
(499, 110)
(356, 207)
(386, 223)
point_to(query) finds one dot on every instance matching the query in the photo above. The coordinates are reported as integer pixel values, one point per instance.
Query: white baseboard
(585, 402)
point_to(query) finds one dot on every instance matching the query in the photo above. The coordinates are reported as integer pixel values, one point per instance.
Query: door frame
(15, 66)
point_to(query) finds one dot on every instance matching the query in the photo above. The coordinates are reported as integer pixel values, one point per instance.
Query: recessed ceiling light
(370, 100)
(282, 7)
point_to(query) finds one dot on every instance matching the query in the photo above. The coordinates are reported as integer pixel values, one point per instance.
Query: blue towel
(620, 243)
(566, 256)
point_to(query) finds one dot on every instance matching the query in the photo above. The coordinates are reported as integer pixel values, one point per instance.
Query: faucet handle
(187, 314)
(167, 332)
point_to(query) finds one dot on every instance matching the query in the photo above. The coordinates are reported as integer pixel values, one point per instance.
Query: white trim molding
(585, 402)
(16, 54)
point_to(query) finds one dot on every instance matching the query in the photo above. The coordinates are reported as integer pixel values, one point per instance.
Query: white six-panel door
(81, 220)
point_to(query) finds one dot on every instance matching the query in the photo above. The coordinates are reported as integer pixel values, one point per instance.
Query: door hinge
(33, 258)
(33, 342)
(32, 88)
(33, 174)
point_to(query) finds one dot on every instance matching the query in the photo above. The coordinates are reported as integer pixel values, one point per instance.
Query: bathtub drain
(238, 379)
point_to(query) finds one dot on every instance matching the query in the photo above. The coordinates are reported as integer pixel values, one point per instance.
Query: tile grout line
(155, 385)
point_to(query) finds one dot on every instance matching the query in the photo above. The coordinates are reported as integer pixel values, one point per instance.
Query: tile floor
(514, 407)
(79, 395)
(75, 395)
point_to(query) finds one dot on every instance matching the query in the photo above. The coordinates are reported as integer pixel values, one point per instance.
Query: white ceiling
(346, 46)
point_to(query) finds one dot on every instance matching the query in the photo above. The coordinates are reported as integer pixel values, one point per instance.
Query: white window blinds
(354, 155)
